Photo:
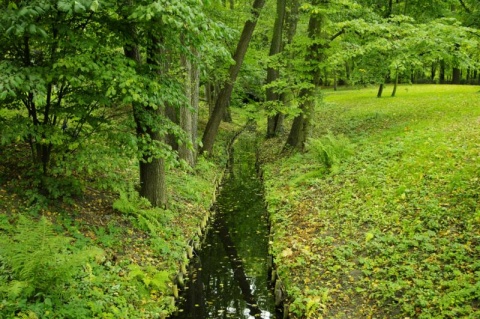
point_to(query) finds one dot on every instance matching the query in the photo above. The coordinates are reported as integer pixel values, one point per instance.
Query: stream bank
(228, 276)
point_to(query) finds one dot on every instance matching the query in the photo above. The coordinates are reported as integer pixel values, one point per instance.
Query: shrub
(330, 150)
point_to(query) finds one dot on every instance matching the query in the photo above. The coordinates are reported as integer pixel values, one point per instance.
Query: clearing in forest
(380, 218)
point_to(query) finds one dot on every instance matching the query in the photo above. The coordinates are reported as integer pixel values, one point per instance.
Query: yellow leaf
(368, 237)
(286, 252)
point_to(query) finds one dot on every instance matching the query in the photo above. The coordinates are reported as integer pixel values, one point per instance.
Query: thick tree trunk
(301, 123)
(456, 75)
(223, 100)
(152, 169)
(273, 73)
(227, 115)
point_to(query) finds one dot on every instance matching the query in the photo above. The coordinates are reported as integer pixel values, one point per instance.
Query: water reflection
(229, 276)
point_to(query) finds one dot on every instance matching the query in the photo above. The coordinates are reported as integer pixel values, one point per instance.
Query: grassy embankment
(380, 218)
(98, 251)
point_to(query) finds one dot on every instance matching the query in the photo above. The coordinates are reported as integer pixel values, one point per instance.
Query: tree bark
(185, 150)
(390, 9)
(395, 84)
(301, 123)
(223, 100)
(433, 72)
(380, 90)
(456, 75)
(273, 73)
(442, 72)
(152, 169)
(195, 103)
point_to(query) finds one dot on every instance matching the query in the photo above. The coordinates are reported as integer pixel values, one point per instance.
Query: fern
(150, 277)
(35, 261)
(330, 150)
(148, 218)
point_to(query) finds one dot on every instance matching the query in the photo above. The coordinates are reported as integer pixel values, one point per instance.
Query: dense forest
(117, 117)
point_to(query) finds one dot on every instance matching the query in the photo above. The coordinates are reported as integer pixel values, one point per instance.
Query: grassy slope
(393, 229)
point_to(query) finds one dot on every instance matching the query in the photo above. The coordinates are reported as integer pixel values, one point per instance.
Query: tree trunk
(456, 75)
(185, 150)
(390, 9)
(227, 115)
(442, 72)
(348, 72)
(171, 113)
(433, 71)
(223, 100)
(210, 96)
(195, 103)
(301, 123)
(152, 169)
(334, 80)
(395, 84)
(380, 90)
(273, 73)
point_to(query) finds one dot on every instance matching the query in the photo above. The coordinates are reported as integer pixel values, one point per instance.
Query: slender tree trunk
(171, 113)
(380, 90)
(185, 150)
(223, 100)
(273, 73)
(390, 8)
(195, 102)
(348, 72)
(291, 22)
(442, 72)
(395, 84)
(433, 71)
(210, 96)
(301, 123)
(334, 80)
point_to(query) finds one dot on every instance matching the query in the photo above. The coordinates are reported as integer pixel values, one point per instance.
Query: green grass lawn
(380, 218)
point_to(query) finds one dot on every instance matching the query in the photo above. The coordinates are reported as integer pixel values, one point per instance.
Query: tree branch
(467, 9)
(336, 35)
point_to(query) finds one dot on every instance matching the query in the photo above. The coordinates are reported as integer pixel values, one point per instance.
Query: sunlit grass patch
(396, 228)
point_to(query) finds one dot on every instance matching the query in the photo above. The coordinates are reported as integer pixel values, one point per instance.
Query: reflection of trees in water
(233, 267)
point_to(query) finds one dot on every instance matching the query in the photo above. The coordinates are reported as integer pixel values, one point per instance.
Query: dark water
(229, 275)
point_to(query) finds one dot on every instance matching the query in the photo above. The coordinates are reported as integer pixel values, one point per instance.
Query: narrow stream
(228, 277)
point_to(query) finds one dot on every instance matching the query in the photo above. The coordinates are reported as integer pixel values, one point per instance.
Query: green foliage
(150, 277)
(330, 150)
(36, 264)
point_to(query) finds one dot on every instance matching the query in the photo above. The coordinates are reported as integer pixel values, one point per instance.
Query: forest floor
(380, 217)
(99, 251)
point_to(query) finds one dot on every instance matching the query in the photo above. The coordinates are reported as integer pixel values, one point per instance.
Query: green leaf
(94, 6)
